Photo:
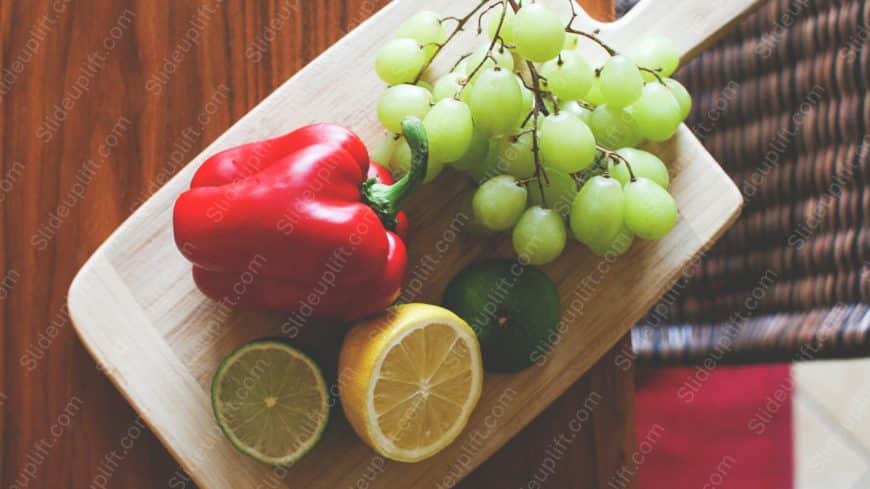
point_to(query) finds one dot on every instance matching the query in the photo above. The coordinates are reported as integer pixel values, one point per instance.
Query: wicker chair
(782, 103)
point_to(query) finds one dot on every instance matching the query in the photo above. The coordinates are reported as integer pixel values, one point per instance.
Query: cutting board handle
(691, 24)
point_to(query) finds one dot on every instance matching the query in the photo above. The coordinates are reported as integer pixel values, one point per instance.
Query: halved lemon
(409, 379)
(271, 401)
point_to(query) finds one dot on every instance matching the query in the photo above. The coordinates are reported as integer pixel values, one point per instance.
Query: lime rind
(528, 301)
(216, 389)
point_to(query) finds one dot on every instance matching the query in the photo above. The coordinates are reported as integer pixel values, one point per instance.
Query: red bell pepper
(303, 222)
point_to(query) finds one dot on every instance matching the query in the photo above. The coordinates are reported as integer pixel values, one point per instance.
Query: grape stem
(555, 102)
(460, 25)
(537, 90)
(597, 40)
(525, 181)
(483, 14)
(617, 158)
(495, 39)
(581, 176)
(655, 73)
(451, 17)
(516, 137)
(460, 60)
(477, 68)
(540, 93)
(593, 37)
(540, 173)
(524, 82)
(528, 117)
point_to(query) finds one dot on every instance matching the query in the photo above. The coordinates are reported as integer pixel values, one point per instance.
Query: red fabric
(715, 428)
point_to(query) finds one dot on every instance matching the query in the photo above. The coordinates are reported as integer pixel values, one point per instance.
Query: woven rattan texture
(782, 103)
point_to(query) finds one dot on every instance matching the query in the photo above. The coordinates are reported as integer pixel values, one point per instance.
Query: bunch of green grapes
(550, 139)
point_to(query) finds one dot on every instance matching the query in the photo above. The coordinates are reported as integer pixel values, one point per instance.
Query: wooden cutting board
(137, 310)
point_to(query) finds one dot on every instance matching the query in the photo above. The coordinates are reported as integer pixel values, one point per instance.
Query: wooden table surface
(102, 101)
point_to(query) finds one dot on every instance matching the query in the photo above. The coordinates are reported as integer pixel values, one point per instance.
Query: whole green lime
(514, 309)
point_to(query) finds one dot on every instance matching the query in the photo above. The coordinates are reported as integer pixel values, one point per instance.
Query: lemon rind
(383, 444)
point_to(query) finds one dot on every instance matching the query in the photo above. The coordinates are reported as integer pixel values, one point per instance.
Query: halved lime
(271, 401)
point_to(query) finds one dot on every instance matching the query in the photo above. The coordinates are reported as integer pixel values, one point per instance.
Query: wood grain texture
(581, 441)
(59, 411)
(118, 300)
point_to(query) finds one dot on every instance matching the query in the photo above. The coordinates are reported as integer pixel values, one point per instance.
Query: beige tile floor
(832, 424)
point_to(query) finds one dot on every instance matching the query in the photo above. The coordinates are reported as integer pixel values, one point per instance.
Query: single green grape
(515, 155)
(650, 211)
(569, 76)
(566, 143)
(657, 113)
(449, 128)
(401, 101)
(507, 27)
(496, 101)
(643, 163)
(618, 246)
(681, 95)
(400, 61)
(539, 236)
(400, 163)
(448, 86)
(597, 212)
(614, 128)
(656, 52)
(538, 32)
(427, 29)
(473, 225)
(621, 82)
(499, 203)
(476, 152)
(560, 190)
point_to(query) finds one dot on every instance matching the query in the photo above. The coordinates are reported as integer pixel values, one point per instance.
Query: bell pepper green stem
(387, 200)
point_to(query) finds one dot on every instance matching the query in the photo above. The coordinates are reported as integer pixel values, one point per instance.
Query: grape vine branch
(535, 84)
(460, 26)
